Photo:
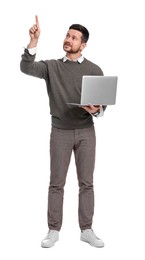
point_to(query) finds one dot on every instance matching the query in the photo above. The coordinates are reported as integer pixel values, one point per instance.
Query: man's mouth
(67, 45)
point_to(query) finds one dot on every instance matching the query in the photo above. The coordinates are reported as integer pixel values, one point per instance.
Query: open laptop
(98, 90)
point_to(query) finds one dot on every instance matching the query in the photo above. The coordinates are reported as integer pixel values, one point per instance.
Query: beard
(69, 49)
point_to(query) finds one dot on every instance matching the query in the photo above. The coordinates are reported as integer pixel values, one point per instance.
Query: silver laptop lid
(99, 90)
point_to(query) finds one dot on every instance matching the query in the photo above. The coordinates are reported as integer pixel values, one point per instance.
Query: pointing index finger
(37, 20)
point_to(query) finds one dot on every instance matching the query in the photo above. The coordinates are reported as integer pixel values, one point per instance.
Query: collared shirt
(79, 60)
(33, 51)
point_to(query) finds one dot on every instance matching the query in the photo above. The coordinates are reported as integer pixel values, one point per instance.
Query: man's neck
(73, 56)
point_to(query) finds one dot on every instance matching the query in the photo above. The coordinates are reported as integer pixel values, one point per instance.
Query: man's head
(76, 39)
(82, 29)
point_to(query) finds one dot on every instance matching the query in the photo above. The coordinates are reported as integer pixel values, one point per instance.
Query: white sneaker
(89, 236)
(50, 239)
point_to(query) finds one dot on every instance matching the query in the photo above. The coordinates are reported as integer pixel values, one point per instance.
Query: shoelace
(51, 232)
(92, 233)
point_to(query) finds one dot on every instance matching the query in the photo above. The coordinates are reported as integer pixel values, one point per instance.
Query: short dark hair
(82, 29)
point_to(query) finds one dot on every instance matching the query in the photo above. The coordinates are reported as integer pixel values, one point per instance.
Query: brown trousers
(62, 143)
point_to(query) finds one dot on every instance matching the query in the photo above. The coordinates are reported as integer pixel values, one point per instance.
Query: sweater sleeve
(29, 66)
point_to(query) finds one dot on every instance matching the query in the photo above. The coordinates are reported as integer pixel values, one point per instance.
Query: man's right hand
(34, 33)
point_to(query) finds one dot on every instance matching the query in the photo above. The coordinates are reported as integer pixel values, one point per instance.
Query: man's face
(73, 42)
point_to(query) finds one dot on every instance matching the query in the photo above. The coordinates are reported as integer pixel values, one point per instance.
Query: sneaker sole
(99, 246)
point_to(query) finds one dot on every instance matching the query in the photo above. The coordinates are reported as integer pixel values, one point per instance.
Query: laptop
(98, 90)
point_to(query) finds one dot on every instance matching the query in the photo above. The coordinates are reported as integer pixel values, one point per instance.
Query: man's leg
(61, 145)
(85, 144)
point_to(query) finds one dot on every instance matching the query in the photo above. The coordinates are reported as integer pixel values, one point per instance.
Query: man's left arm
(96, 111)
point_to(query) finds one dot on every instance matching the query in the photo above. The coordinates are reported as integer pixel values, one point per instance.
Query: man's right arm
(28, 65)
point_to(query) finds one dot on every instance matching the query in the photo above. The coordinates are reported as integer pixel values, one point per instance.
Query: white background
(117, 45)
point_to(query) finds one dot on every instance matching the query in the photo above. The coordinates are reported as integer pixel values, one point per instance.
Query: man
(72, 127)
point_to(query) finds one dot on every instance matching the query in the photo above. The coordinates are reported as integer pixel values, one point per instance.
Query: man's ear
(83, 45)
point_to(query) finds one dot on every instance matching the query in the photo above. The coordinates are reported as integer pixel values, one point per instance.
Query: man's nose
(68, 39)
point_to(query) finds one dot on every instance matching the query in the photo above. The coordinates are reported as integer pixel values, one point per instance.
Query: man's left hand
(92, 109)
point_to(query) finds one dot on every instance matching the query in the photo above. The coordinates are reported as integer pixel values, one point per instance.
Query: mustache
(67, 43)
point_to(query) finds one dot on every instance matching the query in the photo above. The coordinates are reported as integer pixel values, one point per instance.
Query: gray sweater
(63, 81)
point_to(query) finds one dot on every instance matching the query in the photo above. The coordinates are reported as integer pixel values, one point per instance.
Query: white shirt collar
(79, 60)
